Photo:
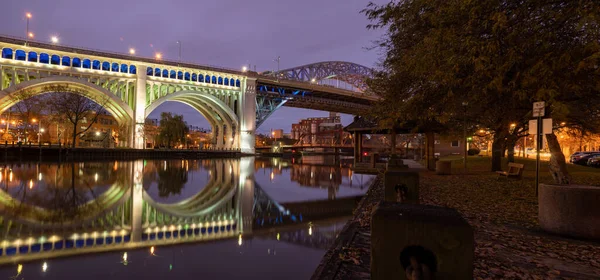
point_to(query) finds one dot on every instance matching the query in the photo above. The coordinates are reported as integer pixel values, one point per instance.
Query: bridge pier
(248, 116)
(139, 108)
(137, 200)
(246, 194)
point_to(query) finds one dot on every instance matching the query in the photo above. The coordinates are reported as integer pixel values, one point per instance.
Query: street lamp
(158, 56)
(54, 39)
(179, 43)
(131, 51)
(27, 33)
(244, 69)
(277, 59)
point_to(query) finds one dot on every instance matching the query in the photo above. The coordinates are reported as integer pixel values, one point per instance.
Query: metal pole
(27, 31)
(539, 147)
(39, 131)
(179, 43)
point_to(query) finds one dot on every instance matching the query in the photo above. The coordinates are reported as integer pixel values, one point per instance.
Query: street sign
(546, 126)
(539, 109)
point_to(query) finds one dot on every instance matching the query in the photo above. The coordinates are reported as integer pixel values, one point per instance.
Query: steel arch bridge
(348, 72)
(234, 102)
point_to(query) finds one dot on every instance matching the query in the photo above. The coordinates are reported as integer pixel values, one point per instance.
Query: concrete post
(425, 241)
(401, 185)
(139, 110)
(247, 113)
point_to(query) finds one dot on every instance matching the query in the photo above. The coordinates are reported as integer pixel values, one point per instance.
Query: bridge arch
(114, 105)
(214, 110)
(112, 198)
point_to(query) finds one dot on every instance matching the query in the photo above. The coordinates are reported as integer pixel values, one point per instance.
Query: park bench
(514, 170)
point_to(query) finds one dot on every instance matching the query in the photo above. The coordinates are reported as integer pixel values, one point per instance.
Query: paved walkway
(510, 249)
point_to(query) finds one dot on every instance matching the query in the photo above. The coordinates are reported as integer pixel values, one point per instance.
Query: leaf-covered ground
(503, 214)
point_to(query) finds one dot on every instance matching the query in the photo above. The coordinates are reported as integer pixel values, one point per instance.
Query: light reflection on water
(53, 210)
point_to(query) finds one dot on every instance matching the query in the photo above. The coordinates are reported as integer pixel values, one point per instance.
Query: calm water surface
(246, 218)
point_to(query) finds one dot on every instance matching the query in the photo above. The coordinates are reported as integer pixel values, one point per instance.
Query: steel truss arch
(348, 72)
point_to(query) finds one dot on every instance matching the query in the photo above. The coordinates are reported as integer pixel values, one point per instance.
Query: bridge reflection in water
(52, 210)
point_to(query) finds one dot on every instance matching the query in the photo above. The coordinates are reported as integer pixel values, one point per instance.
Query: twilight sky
(226, 33)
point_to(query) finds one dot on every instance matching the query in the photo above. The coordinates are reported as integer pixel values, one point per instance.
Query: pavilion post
(355, 146)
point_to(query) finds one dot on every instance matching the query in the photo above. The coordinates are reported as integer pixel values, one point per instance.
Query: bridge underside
(271, 96)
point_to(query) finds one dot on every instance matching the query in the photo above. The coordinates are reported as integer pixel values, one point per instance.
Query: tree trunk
(510, 146)
(74, 134)
(497, 150)
(557, 166)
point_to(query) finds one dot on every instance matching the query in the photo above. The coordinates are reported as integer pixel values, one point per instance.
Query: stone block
(420, 238)
(572, 210)
(401, 186)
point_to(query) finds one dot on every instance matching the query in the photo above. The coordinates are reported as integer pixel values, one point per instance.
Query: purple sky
(226, 33)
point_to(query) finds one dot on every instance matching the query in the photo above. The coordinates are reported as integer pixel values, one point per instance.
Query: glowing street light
(158, 55)
(54, 39)
(313, 80)
(244, 69)
(131, 51)
(29, 34)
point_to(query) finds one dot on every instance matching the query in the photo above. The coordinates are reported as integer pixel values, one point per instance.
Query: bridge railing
(338, 84)
(43, 44)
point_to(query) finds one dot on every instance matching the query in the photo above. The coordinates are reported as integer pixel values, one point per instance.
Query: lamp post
(465, 104)
(27, 34)
(179, 43)
(277, 60)
(40, 129)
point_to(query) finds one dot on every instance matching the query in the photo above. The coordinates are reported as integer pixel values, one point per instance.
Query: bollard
(401, 186)
(410, 241)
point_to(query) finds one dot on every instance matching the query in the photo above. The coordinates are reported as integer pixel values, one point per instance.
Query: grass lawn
(503, 213)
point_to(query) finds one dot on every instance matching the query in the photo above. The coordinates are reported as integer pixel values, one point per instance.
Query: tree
(489, 60)
(171, 179)
(80, 109)
(172, 129)
(149, 131)
(30, 108)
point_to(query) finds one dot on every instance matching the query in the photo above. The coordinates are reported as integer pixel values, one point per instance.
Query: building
(104, 133)
(314, 131)
(277, 133)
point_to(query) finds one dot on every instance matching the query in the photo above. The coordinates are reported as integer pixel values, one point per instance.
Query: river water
(248, 218)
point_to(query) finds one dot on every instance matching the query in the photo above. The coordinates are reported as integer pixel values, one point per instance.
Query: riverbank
(26, 153)
(503, 213)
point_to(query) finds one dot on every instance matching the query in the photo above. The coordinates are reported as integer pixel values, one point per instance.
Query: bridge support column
(139, 108)
(246, 191)
(137, 201)
(247, 114)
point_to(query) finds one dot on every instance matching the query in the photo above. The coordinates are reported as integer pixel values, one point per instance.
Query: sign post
(538, 111)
